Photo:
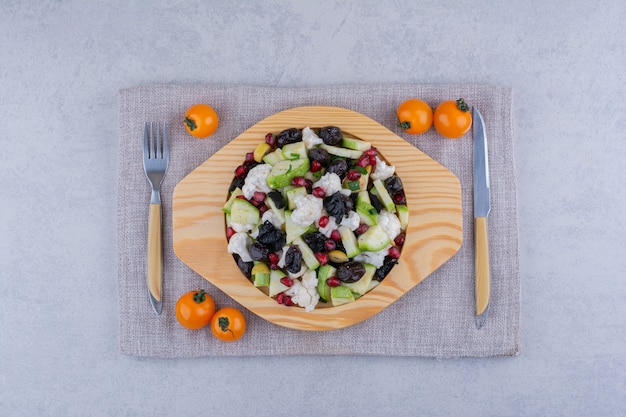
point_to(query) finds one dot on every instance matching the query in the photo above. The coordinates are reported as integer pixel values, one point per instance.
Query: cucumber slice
(280, 213)
(273, 157)
(361, 286)
(342, 152)
(284, 171)
(325, 272)
(349, 241)
(367, 213)
(356, 144)
(260, 274)
(291, 195)
(307, 254)
(236, 192)
(295, 230)
(341, 295)
(403, 214)
(294, 151)
(242, 211)
(384, 196)
(373, 240)
(276, 287)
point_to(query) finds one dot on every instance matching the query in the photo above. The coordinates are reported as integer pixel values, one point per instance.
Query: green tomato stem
(190, 124)
(462, 105)
(199, 297)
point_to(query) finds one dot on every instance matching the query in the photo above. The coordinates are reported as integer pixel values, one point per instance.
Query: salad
(315, 216)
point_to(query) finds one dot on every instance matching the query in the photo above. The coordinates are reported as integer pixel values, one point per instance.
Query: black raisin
(293, 259)
(271, 237)
(278, 199)
(331, 135)
(334, 205)
(350, 271)
(244, 267)
(348, 202)
(393, 184)
(339, 167)
(388, 265)
(236, 183)
(376, 202)
(292, 135)
(258, 252)
(315, 241)
(320, 155)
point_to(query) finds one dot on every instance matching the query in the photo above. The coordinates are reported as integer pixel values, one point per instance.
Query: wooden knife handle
(155, 252)
(481, 250)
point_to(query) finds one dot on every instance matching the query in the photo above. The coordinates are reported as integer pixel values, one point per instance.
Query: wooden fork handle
(155, 255)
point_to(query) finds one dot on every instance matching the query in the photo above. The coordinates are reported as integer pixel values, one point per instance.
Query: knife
(482, 206)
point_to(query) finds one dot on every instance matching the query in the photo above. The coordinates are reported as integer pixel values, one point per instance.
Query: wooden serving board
(434, 234)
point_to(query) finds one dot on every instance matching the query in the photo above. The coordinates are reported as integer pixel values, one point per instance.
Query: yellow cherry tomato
(415, 116)
(452, 119)
(228, 324)
(195, 309)
(201, 120)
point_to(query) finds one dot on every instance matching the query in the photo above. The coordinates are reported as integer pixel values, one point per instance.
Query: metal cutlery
(155, 161)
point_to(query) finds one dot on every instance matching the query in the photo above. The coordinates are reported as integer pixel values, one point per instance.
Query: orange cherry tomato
(195, 309)
(228, 324)
(201, 120)
(415, 116)
(452, 118)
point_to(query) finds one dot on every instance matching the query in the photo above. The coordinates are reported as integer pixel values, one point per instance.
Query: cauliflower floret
(242, 227)
(389, 223)
(256, 180)
(304, 293)
(330, 182)
(239, 244)
(308, 209)
(270, 216)
(309, 138)
(352, 221)
(382, 170)
(375, 258)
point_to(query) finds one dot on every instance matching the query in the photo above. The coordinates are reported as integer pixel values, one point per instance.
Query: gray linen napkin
(434, 319)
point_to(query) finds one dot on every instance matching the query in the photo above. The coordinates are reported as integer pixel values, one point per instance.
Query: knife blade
(482, 207)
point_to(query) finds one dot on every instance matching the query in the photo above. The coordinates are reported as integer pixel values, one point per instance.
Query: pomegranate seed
(323, 221)
(361, 229)
(274, 266)
(259, 196)
(319, 192)
(308, 184)
(363, 161)
(371, 152)
(229, 232)
(394, 252)
(273, 258)
(280, 297)
(316, 166)
(270, 139)
(322, 258)
(249, 158)
(263, 208)
(399, 240)
(399, 198)
(286, 281)
(353, 175)
(335, 235)
(330, 245)
(241, 171)
(298, 182)
(288, 301)
(333, 282)
(372, 161)
(242, 197)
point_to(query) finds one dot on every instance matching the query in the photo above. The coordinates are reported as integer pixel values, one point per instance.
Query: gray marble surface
(61, 65)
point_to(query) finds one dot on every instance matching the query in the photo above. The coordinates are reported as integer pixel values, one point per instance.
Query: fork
(155, 160)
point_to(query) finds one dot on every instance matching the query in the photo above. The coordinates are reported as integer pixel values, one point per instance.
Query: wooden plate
(434, 234)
